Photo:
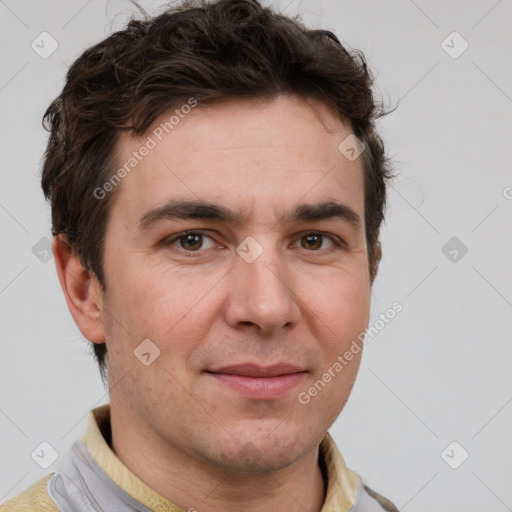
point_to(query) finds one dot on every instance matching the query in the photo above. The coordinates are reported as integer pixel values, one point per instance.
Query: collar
(342, 483)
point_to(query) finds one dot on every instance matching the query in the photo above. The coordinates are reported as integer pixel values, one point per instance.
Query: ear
(377, 255)
(82, 290)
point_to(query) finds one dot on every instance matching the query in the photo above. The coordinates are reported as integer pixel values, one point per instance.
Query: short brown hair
(212, 52)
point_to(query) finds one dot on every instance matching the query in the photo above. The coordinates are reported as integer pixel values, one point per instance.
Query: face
(257, 303)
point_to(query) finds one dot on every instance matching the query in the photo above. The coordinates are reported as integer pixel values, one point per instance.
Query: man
(217, 188)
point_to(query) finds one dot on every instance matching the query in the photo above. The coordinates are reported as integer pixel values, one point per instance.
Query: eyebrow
(197, 209)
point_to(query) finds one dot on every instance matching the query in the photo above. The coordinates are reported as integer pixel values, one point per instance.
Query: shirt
(91, 478)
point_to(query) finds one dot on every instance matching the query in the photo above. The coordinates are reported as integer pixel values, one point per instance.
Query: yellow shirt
(344, 487)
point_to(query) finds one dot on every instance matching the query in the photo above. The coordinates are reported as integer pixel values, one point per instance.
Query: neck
(194, 485)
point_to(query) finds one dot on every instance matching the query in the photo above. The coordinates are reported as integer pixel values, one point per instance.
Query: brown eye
(191, 241)
(313, 241)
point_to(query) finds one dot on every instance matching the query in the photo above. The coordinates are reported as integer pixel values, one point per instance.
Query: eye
(314, 241)
(191, 241)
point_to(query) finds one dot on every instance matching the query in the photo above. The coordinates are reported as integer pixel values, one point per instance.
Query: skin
(189, 437)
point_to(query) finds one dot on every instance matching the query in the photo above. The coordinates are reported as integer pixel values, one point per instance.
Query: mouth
(260, 382)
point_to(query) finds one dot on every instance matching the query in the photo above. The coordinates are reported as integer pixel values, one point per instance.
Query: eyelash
(338, 244)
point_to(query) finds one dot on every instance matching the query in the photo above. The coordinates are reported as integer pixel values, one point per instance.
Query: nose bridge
(261, 292)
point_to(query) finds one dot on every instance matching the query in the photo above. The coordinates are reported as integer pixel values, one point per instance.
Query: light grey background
(437, 373)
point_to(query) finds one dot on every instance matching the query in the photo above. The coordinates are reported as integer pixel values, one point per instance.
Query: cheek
(142, 297)
(341, 302)
(172, 311)
(345, 310)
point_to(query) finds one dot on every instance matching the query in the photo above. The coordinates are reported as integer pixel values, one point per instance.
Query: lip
(255, 370)
(260, 382)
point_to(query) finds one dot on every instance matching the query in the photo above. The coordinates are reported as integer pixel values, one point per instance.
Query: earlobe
(81, 289)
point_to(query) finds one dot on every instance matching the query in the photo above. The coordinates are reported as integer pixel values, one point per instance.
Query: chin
(261, 451)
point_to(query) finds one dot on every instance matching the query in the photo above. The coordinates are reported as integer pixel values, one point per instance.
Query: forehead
(245, 153)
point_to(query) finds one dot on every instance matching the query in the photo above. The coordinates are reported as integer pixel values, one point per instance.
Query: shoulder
(34, 498)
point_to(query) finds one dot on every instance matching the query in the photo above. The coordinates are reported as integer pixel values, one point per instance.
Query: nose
(261, 294)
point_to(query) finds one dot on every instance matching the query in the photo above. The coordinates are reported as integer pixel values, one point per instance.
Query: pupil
(189, 240)
(312, 238)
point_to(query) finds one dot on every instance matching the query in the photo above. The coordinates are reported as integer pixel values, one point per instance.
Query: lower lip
(261, 387)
